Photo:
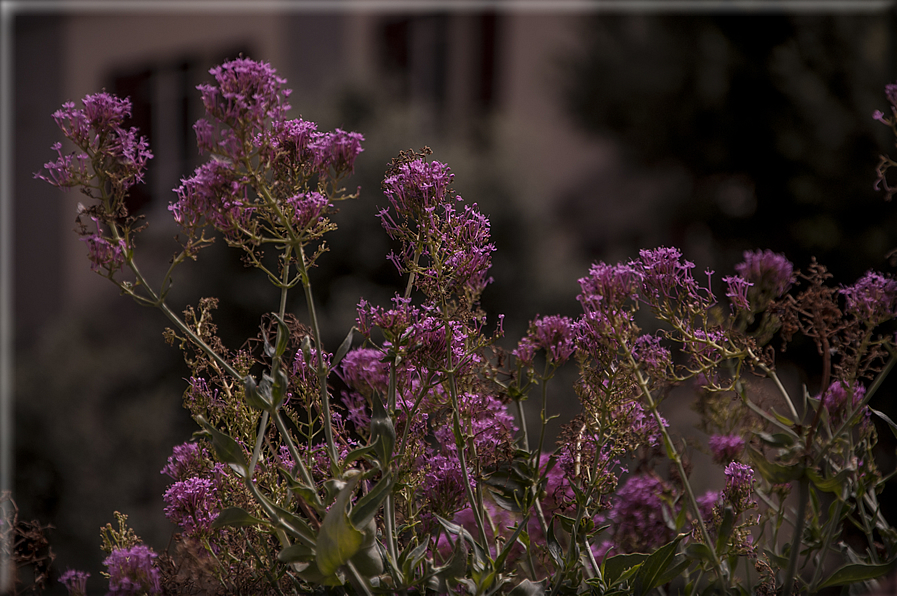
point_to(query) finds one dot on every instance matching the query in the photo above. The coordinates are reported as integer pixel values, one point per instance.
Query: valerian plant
(420, 475)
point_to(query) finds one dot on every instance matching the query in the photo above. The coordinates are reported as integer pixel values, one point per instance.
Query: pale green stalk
(803, 495)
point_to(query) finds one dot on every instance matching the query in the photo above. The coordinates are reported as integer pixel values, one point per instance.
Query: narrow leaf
(367, 506)
(342, 350)
(296, 553)
(857, 572)
(338, 539)
(883, 416)
(616, 566)
(654, 567)
(236, 517)
(226, 448)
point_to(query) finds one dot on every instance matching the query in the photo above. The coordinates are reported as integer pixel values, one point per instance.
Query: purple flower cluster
(448, 249)
(104, 254)
(653, 358)
(841, 399)
(75, 582)
(666, 276)
(770, 274)
(186, 460)
(725, 448)
(192, 504)
(737, 292)
(117, 153)
(739, 489)
(637, 514)
(246, 94)
(553, 334)
(416, 188)
(484, 418)
(215, 194)
(872, 299)
(132, 572)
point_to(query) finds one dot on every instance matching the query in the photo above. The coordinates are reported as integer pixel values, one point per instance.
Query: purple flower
(75, 582)
(336, 151)
(872, 299)
(443, 485)
(418, 186)
(707, 502)
(132, 572)
(487, 420)
(97, 131)
(287, 146)
(104, 254)
(608, 287)
(553, 334)
(653, 358)
(307, 209)
(215, 193)
(739, 487)
(667, 276)
(246, 94)
(725, 448)
(68, 170)
(841, 399)
(880, 116)
(770, 273)
(363, 370)
(192, 504)
(891, 93)
(637, 514)
(185, 461)
(737, 291)
(642, 426)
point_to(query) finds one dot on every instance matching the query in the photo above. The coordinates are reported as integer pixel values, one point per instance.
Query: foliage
(414, 477)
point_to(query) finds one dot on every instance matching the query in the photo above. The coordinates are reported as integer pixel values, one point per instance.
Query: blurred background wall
(583, 135)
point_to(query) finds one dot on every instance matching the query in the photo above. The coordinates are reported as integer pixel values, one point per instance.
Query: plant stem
(803, 495)
(677, 459)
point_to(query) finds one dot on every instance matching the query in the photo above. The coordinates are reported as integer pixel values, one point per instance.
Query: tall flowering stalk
(420, 476)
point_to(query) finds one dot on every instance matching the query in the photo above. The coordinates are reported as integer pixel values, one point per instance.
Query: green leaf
(296, 553)
(654, 567)
(342, 350)
(283, 337)
(680, 564)
(784, 420)
(279, 387)
(772, 472)
(699, 551)
(410, 557)
(891, 424)
(367, 560)
(725, 529)
(456, 530)
(527, 588)
(619, 567)
(367, 506)
(258, 396)
(383, 433)
(226, 448)
(829, 485)
(783, 440)
(554, 548)
(857, 572)
(447, 576)
(338, 539)
(235, 517)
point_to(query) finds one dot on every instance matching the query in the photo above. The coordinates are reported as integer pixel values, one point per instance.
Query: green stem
(673, 454)
(322, 371)
(522, 416)
(803, 495)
